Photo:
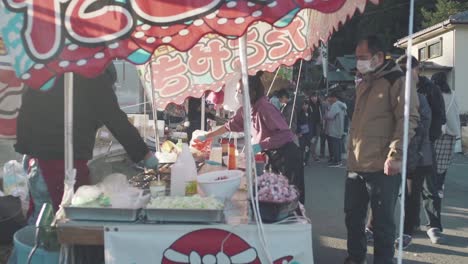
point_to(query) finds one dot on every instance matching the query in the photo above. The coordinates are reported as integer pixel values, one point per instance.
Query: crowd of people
(371, 127)
(320, 124)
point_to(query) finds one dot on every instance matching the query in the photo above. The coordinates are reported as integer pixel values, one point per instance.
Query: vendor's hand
(151, 162)
(392, 167)
(202, 138)
(256, 148)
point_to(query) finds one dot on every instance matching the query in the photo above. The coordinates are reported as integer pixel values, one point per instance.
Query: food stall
(183, 235)
(228, 230)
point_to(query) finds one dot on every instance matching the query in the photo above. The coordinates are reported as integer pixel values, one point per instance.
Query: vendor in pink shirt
(270, 134)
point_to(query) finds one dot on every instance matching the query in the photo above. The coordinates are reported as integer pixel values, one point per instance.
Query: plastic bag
(121, 193)
(90, 196)
(15, 180)
(230, 103)
(114, 191)
(196, 134)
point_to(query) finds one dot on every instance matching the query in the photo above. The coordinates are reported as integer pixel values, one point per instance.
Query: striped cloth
(444, 148)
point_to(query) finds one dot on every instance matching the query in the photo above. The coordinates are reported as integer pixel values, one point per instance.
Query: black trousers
(422, 183)
(334, 148)
(323, 141)
(414, 188)
(288, 161)
(431, 199)
(382, 192)
(441, 180)
(304, 143)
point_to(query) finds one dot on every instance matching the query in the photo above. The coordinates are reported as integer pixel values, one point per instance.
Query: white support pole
(408, 87)
(251, 180)
(203, 112)
(247, 109)
(69, 171)
(155, 110)
(145, 124)
(68, 129)
(274, 79)
(295, 96)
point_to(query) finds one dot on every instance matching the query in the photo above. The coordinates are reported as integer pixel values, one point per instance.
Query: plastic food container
(274, 212)
(220, 184)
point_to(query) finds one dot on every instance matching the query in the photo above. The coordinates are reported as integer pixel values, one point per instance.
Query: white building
(444, 47)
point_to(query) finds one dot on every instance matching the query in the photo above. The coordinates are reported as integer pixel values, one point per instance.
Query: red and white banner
(213, 62)
(203, 244)
(51, 37)
(11, 89)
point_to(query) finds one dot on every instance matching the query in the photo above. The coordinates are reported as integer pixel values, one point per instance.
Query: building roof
(340, 76)
(461, 17)
(430, 65)
(456, 19)
(347, 62)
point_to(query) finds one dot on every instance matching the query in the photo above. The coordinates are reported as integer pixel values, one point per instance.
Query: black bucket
(11, 218)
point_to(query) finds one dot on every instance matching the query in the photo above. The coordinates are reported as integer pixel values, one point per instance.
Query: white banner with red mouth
(207, 244)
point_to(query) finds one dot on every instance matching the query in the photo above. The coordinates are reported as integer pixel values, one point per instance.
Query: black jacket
(436, 102)
(288, 111)
(303, 118)
(40, 123)
(315, 111)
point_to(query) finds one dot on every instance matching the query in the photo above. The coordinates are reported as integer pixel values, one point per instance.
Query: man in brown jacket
(375, 151)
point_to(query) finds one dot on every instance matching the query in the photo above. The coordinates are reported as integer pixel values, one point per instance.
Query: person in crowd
(431, 199)
(349, 106)
(304, 130)
(270, 134)
(323, 133)
(375, 151)
(40, 134)
(315, 110)
(194, 116)
(419, 164)
(287, 109)
(274, 100)
(445, 144)
(335, 128)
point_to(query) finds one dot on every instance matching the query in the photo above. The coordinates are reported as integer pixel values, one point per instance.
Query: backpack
(414, 148)
(415, 155)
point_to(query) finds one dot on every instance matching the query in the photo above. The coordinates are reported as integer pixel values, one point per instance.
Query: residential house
(444, 47)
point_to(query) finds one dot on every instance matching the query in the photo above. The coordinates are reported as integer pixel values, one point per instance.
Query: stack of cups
(260, 160)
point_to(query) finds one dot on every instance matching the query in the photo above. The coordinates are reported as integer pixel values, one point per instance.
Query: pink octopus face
(213, 246)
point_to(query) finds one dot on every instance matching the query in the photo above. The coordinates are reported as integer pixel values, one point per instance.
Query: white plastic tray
(101, 214)
(184, 215)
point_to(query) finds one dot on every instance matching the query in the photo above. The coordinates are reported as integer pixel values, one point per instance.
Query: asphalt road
(324, 204)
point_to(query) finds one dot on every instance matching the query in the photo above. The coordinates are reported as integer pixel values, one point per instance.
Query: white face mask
(239, 99)
(366, 66)
(363, 66)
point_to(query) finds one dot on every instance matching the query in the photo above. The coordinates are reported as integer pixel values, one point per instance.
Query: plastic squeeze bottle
(178, 178)
(232, 157)
(184, 174)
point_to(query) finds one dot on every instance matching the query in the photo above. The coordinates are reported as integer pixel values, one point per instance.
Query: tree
(443, 9)
(388, 20)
